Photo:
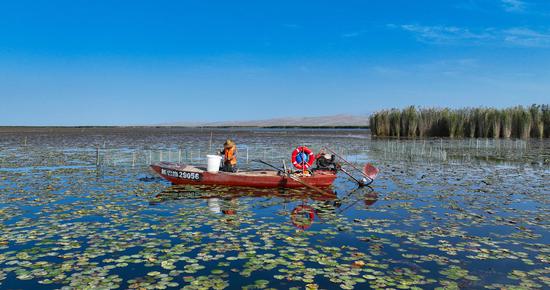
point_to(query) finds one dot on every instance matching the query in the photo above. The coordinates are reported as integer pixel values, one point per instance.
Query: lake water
(466, 214)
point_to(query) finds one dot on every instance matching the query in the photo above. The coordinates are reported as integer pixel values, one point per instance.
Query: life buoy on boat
(302, 157)
(302, 216)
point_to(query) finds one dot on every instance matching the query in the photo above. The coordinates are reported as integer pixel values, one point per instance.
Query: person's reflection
(229, 206)
(226, 206)
(229, 209)
(370, 199)
(328, 209)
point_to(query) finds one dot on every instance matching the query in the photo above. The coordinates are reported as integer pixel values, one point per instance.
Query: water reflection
(311, 205)
(177, 192)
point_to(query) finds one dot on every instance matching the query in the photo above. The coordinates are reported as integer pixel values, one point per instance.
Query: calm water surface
(429, 221)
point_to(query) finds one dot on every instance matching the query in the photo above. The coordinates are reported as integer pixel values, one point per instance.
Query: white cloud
(449, 67)
(515, 36)
(350, 34)
(513, 5)
(353, 34)
(526, 37)
(445, 34)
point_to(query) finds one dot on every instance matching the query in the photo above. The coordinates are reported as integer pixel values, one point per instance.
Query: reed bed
(411, 122)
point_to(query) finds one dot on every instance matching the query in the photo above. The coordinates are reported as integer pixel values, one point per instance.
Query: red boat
(187, 174)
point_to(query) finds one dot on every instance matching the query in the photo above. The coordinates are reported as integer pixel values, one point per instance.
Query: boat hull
(185, 174)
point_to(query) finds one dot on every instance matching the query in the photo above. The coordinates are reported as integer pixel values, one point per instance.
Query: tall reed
(537, 129)
(494, 122)
(523, 123)
(546, 120)
(506, 118)
(395, 123)
(411, 122)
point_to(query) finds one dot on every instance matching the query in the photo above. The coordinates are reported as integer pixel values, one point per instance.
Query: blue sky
(149, 62)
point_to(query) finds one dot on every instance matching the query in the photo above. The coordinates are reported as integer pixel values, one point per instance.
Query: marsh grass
(517, 122)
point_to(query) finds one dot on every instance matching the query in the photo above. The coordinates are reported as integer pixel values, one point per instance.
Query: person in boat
(325, 161)
(229, 153)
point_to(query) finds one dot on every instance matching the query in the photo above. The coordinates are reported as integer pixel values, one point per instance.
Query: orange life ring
(301, 210)
(302, 157)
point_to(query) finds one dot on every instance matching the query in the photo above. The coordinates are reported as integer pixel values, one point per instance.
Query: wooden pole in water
(210, 144)
(423, 145)
(97, 156)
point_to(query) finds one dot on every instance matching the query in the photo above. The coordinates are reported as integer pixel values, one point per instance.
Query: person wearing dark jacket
(325, 161)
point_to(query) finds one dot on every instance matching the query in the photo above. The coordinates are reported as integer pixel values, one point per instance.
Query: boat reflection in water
(312, 205)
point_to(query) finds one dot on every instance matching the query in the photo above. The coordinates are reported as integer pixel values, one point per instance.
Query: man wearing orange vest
(229, 156)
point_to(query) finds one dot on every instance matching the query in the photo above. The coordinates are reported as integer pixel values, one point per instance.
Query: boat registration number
(181, 174)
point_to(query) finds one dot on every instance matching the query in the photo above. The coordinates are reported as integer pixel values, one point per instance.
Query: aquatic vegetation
(517, 122)
(425, 225)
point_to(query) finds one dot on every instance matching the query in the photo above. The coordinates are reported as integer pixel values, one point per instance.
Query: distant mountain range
(321, 121)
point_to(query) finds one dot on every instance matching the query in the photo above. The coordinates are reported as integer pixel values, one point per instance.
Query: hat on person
(228, 143)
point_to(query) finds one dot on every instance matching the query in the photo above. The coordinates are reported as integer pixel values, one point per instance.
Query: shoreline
(187, 127)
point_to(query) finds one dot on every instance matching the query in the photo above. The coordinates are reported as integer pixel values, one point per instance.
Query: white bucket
(213, 164)
(214, 205)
